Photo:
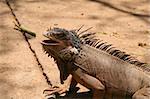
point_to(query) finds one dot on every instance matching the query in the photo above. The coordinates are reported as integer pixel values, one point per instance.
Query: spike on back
(89, 38)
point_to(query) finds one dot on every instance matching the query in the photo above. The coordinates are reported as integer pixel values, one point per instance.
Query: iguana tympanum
(96, 65)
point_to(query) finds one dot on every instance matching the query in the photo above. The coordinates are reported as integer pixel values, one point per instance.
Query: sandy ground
(123, 23)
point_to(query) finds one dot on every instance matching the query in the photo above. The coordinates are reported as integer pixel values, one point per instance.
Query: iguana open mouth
(50, 42)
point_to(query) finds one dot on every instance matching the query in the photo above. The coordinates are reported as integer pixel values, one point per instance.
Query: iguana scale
(96, 65)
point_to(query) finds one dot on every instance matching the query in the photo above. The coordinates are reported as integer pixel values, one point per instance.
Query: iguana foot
(59, 89)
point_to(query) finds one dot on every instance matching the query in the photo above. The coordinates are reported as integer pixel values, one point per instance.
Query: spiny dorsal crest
(90, 39)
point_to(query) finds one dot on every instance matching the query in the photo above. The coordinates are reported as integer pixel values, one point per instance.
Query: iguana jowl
(96, 65)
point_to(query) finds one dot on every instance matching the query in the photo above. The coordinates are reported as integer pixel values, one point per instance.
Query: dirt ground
(123, 23)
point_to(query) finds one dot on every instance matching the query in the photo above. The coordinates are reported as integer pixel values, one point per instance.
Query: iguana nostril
(45, 34)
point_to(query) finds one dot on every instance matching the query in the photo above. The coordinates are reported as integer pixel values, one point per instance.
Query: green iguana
(96, 65)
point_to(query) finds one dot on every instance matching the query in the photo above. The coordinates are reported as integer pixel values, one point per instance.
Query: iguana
(96, 65)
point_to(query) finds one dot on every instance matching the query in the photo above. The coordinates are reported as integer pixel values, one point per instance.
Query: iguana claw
(60, 89)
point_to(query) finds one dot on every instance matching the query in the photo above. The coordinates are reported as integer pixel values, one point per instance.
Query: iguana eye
(60, 35)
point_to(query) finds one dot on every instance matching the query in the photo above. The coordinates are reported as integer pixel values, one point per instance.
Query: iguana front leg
(60, 89)
(90, 82)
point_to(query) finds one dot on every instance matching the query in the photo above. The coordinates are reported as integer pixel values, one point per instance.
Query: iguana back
(115, 74)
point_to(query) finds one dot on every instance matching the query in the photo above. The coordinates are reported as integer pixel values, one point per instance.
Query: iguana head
(60, 40)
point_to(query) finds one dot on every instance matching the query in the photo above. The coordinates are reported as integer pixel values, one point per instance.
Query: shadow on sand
(143, 17)
(81, 95)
